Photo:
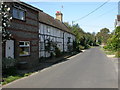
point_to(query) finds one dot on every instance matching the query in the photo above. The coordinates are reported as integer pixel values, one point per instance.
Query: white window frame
(28, 46)
(48, 29)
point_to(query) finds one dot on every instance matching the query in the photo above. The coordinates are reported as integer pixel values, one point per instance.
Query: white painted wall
(43, 29)
(118, 23)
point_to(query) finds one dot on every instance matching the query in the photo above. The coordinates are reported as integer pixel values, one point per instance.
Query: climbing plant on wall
(5, 14)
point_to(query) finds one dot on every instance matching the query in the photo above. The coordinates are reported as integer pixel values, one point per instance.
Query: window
(18, 14)
(48, 29)
(41, 46)
(24, 47)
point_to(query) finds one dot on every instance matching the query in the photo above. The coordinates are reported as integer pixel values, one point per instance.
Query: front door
(9, 48)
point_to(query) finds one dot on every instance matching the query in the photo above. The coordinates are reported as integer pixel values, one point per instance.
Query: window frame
(18, 16)
(25, 46)
(48, 29)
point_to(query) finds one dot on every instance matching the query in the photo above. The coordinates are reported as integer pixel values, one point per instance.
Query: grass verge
(108, 52)
(11, 78)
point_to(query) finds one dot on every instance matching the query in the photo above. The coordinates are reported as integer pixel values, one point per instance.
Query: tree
(103, 36)
(83, 39)
(5, 13)
(114, 42)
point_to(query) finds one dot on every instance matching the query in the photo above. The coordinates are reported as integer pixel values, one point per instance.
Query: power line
(91, 11)
(107, 12)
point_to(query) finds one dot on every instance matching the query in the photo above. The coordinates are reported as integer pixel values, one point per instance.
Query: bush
(8, 62)
(87, 46)
(81, 47)
(9, 71)
(8, 66)
(57, 52)
(117, 54)
(105, 47)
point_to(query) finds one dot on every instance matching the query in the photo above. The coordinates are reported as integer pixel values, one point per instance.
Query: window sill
(19, 19)
(24, 55)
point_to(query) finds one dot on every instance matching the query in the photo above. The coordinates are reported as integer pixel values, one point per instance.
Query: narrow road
(90, 69)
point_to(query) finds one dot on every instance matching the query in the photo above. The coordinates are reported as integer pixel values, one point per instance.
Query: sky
(104, 17)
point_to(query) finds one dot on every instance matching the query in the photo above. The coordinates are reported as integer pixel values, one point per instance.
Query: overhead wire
(91, 11)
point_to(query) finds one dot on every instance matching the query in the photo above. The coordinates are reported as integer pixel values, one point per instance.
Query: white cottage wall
(55, 35)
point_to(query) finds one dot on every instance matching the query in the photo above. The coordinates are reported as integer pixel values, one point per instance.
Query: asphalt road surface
(90, 69)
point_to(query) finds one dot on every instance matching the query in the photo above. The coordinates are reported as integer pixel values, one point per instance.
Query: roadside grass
(108, 52)
(11, 74)
(11, 78)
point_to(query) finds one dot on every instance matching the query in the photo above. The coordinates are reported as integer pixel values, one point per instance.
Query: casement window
(48, 29)
(18, 13)
(41, 46)
(24, 47)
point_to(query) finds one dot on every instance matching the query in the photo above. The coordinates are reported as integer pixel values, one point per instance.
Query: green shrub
(117, 54)
(8, 62)
(9, 71)
(10, 79)
(105, 47)
(57, 52)
(27, 74)
(81, 47)
(87, 46)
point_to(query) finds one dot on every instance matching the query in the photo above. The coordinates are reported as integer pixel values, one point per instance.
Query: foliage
(5, 12)
(10, 79)
(48, 45)
(57, 52)
(103, 36)
(113, 43)
(52, 45)
(9, 71)
(81, 47)
(83, 40)
(118, 54)
(8, 62)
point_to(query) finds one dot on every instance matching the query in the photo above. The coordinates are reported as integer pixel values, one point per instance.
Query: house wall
(54, 35)
(37, 34)
(118, 23)
(26, 31)
(66, 36)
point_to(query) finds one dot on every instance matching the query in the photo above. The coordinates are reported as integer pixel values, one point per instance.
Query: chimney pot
(59, 15)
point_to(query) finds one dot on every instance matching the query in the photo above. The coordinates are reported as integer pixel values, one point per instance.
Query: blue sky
(103, 17)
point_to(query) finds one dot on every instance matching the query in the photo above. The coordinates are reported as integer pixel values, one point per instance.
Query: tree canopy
(83, 40)
(103, 36)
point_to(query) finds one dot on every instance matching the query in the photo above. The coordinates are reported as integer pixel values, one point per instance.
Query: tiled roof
(49, 20)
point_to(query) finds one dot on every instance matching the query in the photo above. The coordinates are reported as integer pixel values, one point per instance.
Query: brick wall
(26, 31)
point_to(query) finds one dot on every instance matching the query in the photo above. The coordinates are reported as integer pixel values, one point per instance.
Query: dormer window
(18, 14)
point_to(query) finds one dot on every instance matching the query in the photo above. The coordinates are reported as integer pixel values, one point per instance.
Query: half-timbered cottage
(35, 35)
(54, 31)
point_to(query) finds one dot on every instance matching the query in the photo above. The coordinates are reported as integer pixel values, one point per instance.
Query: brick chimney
(59, 16)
